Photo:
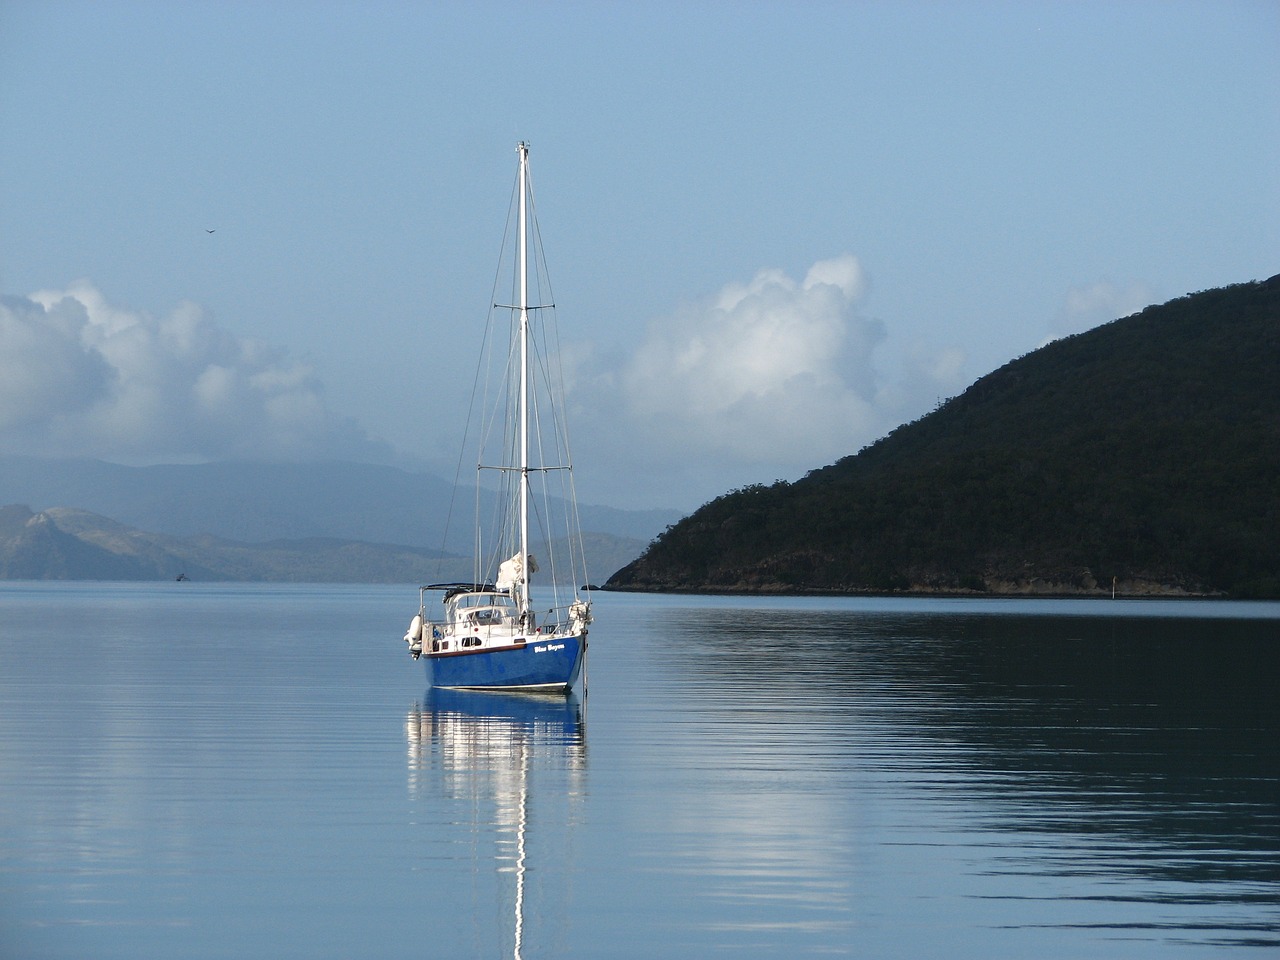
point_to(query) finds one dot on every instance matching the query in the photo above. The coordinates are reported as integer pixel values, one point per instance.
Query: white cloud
(772, 369)
(765, 380)
(80, 376)
(45, 372)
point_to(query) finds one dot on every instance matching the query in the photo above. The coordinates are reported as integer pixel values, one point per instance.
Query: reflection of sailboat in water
(490, 747)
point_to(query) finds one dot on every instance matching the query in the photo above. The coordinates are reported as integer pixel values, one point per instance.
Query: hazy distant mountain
(1146, 450)
(68, 544)
(321, 521)
(35, 547)
(258, 502)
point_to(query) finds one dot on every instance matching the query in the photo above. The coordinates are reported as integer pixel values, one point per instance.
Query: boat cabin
(488, 609)
(476, 617)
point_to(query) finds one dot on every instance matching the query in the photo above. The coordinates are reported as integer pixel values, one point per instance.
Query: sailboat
(488, 633)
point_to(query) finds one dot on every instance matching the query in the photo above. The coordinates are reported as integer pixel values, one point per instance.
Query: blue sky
(775, 230)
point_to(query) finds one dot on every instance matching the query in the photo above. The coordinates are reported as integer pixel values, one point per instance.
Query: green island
(1141, 458)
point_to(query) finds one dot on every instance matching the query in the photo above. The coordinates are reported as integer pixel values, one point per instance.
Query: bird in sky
(209, 231)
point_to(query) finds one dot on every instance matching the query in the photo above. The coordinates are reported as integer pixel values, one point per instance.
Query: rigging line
(502, 408)
(499, 410)
(549, 555)
(568, 516)
(559, 422)
(545, 333)
(546, 519)
(555, 377)
(539, 250)
(499, 513)
(485, 341)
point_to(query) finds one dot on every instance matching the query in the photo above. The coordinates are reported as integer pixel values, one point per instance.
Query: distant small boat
(486, 634)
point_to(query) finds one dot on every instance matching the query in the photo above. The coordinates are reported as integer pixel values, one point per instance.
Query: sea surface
(206, 771)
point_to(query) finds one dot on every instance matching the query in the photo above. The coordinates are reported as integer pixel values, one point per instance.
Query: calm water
(190, 770)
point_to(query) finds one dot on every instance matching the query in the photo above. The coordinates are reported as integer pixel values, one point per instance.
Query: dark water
(190, 770)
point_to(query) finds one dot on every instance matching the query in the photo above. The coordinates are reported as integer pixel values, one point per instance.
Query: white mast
(522, 240)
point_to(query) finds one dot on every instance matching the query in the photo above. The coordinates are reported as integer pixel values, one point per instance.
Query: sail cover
(509, 571)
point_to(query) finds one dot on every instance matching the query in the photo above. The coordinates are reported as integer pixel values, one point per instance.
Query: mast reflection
(495, 748)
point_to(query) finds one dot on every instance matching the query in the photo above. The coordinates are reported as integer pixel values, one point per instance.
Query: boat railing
(566, 618)
(558, 619)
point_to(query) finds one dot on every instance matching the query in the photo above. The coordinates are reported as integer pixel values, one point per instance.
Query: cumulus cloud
(769, 369)
(45, 371)
(765, 380)
(81, 376)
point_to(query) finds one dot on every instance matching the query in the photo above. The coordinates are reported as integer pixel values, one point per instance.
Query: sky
(776, 231)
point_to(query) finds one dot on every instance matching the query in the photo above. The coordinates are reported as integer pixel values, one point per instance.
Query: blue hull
(551, 664)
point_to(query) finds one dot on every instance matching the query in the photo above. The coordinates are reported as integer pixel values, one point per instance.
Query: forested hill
(1144, 453)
